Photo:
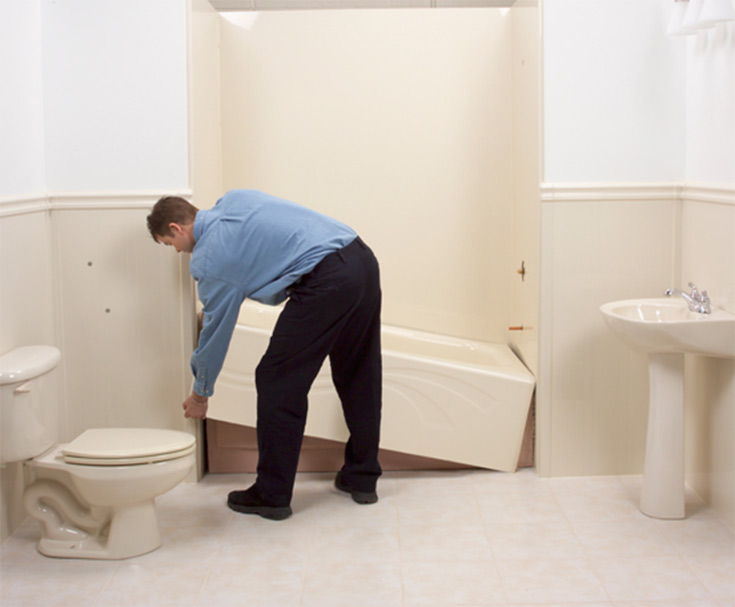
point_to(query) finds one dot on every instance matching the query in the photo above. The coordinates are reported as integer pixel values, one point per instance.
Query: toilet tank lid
(27, 362)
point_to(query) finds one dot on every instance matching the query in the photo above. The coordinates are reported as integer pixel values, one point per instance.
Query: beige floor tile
(473, 582)
(233, 583)
(619, 539)
(350, 584)
(59, 583)
(137, 584)
(648, 578)
(668, 603)
(596, 499)
(697, 536)
(534, 541)
(337, 509)
(566, 604)
(355, 545)
(516, 505)
(442, 509)
(716, 572)
(431, 483)
(482, 538)
(443, 543)
(549, 580)
(253, 539)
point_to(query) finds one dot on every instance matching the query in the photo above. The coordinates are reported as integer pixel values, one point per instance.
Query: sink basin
(666, 325)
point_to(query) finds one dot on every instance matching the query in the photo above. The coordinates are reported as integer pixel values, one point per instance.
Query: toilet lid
(126, 446)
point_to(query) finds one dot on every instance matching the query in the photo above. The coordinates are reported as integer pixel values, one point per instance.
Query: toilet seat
(127, 446)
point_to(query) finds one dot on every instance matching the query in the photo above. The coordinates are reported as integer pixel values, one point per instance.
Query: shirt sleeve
(221, 308)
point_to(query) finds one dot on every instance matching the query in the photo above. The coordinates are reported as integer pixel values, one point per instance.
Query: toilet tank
(29, 407)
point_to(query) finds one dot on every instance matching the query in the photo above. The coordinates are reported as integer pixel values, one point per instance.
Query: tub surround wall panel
(411, 145)
(526, 175)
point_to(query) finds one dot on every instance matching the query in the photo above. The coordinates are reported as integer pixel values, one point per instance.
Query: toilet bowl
(93, 503)
(94, 496)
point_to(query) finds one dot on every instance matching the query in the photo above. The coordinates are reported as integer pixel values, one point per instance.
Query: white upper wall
(21, 101)
(710, 132)
(115, 94)
(614, 98)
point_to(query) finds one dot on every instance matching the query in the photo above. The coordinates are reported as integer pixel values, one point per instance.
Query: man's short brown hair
(170, 209)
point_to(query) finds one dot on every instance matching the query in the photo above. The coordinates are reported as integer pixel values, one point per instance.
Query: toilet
(94, 496)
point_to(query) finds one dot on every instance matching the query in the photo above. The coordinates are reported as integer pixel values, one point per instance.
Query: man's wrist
(199, 399)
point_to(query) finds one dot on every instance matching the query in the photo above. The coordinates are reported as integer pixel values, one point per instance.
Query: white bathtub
(446, 398)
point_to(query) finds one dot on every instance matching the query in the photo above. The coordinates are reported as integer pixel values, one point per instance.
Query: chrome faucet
(698, 300)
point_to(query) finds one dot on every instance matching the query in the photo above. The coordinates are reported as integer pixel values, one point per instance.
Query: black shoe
(361, 497)
(250, 502)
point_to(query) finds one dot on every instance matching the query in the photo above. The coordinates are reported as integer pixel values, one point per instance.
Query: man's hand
(196, 406)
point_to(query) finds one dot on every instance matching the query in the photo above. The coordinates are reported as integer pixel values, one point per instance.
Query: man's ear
(175, 228)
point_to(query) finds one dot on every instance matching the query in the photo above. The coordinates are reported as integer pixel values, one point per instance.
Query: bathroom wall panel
(708, 248)
(123, 342)
(400, 124)
(598, 252)
(26, 288)
(708, 259)
(27, 317)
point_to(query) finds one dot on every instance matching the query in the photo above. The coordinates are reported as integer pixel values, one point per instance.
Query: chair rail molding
(632, 192)
(22, 204)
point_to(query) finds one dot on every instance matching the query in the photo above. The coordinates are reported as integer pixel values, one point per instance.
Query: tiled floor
(437, 539)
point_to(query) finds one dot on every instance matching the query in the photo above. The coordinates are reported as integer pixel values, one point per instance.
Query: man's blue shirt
(251, 245)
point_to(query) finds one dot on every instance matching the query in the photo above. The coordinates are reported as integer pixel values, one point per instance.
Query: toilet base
(132, 531)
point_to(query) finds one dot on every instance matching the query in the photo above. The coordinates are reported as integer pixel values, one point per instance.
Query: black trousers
(332, 311)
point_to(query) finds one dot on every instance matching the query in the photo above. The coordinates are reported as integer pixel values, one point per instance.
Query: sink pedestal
(663, 474)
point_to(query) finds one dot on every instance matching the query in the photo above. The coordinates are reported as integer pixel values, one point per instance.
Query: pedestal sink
(666, 329)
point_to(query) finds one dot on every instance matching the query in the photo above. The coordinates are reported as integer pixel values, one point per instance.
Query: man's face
(180, 239)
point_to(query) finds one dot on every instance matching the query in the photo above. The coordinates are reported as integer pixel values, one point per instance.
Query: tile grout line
(584, 550)
(213, 560)
(489, 543)
(101, 593)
